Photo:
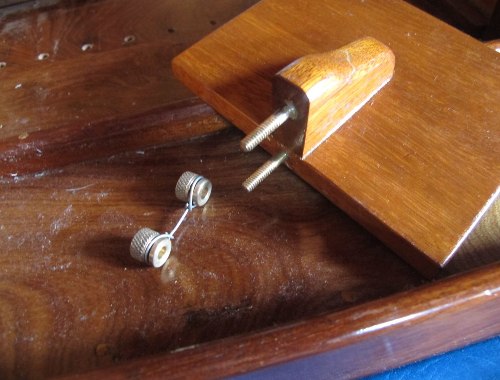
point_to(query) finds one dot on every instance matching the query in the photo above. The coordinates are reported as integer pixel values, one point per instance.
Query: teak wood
(72, 298)
(254, 280)
(388, 333)
(417, 166)
(495, 45)
(80, 104)
(326, 89)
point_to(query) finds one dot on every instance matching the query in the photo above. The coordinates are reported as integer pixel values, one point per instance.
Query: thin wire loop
(189, 207)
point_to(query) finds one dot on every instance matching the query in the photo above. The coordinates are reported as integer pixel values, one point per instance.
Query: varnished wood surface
(482, 247)
(72, 298)
(495, 45)
(357, 342)
(420, 163)
(326, 89)
(60, 28)
(57, 111)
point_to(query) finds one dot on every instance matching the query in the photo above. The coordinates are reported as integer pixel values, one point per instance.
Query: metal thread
(263, 172)
(267, 127)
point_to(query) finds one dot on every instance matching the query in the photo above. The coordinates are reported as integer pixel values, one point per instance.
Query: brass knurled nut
(201, 191)
(140, 243)
(184, 184)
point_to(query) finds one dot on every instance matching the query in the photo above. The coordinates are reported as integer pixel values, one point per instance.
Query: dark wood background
(92, 143)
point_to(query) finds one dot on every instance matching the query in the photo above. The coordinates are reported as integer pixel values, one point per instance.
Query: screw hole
(43, 56)
(87, 47)
(171, 30)
(162, 253)
(213, 22)
(129, 39)
(3, 64)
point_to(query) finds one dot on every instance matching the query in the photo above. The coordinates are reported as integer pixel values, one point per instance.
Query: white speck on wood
(74, 190)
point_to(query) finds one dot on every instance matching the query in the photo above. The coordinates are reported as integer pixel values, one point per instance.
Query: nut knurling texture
(140, 243)
(184, 184)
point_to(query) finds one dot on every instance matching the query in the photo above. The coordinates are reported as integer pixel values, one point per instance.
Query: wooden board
(85, 102)
(418, 165)
(384, 333)
(72, 299)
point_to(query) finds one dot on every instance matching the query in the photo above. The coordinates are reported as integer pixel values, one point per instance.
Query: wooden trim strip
(386, 333)
(57, 147)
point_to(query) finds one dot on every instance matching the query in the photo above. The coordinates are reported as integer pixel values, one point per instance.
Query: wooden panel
(61, 28)
(72, 298)
(66, 102)
(420, 163)
(385, 334)
(495, 45)
(482, 247)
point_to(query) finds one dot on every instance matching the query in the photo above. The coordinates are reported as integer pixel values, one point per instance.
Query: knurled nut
(140, 243)
(184, 184)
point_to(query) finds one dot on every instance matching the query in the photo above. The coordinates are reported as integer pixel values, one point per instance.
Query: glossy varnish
(77, 76)
(346, 345)
(71, 297)
(326, 89)
(419, 164)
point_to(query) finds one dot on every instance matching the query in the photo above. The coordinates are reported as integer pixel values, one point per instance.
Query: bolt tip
(248, 187)
(245, 146)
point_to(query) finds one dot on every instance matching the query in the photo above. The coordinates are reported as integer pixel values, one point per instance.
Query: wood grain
(67, 102)
(384, 333)
(420, 163)
(482, 246)
(72, 298)
(326, 89)
(495, 45)
(61, 28)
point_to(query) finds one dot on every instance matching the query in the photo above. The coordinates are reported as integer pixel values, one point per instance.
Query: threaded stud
(267, 127)
(263, 172)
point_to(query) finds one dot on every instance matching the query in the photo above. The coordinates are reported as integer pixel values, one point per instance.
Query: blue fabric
(480, 361)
